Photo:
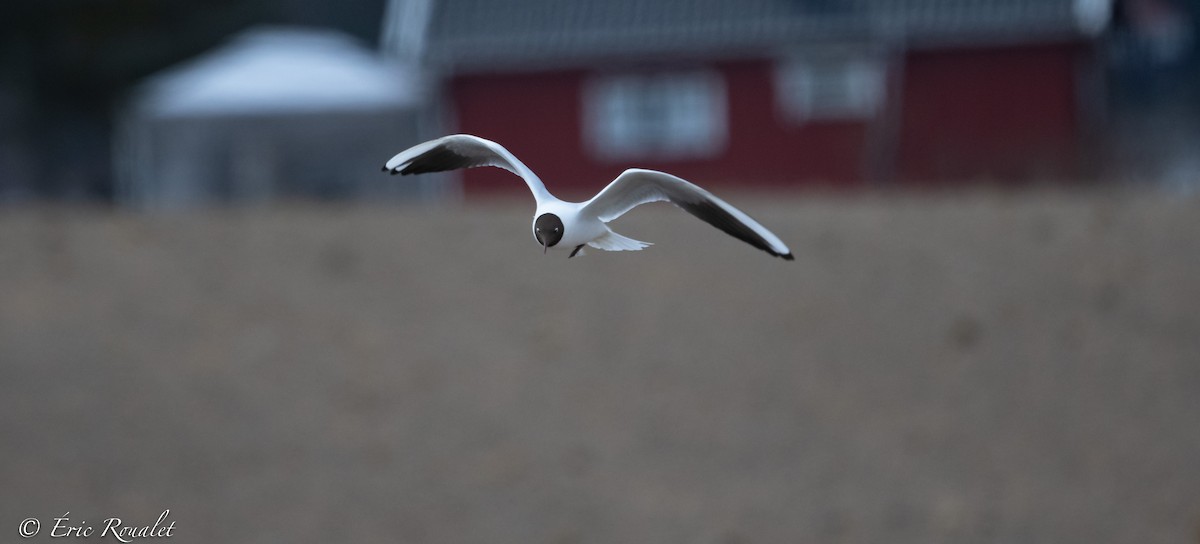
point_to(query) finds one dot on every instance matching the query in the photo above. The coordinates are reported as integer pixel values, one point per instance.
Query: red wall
(539, 116)
(1002, 114)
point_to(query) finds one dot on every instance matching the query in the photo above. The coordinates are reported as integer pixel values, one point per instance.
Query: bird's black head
(547, 230)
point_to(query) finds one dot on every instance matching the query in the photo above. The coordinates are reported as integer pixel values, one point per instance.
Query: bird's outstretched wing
(635, 187)
(462, 151)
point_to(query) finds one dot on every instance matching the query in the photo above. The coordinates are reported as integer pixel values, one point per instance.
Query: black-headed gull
(572, 225)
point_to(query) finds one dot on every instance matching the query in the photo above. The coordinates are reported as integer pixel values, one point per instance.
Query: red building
(771, 92)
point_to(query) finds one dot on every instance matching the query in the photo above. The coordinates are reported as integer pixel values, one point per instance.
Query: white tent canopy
(276, 112)
(279, 70)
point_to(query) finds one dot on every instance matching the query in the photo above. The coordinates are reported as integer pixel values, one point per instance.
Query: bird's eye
(555, 229)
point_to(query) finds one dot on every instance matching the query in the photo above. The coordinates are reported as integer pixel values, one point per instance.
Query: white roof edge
(276, 70)
(1092, 16)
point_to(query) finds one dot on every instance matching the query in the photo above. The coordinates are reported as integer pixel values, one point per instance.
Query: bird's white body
(562, 225)
(583, 228)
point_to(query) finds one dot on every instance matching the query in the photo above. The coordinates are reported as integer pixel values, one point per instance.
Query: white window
(830, 88)
(671, 115)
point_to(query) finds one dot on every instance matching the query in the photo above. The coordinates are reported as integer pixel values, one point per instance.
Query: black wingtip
(788, 257)
(385, 168)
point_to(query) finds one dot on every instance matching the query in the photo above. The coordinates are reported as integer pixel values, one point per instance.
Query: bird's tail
(612, 241)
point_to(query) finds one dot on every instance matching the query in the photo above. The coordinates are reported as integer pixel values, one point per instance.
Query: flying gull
(571, 225)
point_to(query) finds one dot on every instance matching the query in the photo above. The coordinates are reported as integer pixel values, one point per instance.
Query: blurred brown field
(972, 367)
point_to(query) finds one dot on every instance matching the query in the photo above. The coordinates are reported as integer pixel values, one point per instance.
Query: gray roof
(472, 34)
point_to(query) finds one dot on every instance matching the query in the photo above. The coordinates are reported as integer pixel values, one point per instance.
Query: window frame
(672, 114)
(845, 86)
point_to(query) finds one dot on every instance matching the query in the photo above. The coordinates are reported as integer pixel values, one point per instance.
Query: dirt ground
(979, 367)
